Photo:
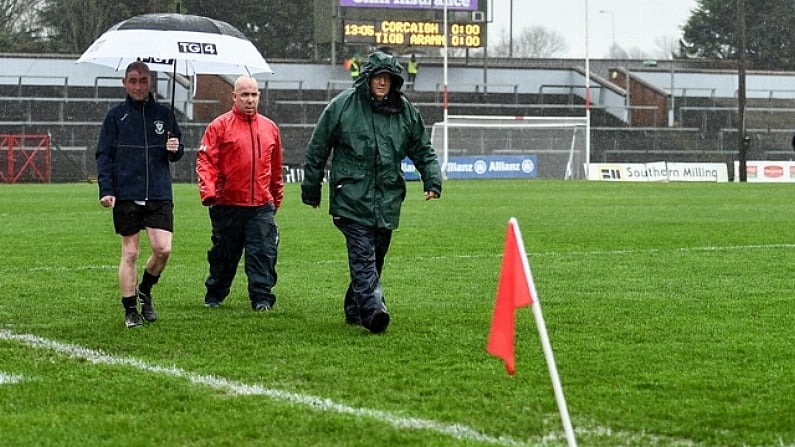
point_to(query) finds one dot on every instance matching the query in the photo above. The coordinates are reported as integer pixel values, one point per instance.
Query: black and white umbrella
(186, 44)
(177, 43)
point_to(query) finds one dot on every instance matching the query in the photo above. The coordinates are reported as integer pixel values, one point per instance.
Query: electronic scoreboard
(413, 33)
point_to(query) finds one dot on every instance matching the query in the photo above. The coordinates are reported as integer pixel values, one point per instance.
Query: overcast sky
(638, 23)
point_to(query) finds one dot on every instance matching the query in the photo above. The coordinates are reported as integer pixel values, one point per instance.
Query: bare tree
(637, 53)
(533, 42)
(666, 49)
(74, 24)
(667, 46)
(17, 15)
(19, 25)
(616, 51)
(70, 26)
(28, 18)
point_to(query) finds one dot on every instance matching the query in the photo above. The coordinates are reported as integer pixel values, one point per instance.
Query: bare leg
(127, 270)
(160, 241)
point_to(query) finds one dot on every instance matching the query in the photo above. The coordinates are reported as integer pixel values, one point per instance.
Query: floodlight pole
(335, 18)
(444, 133)
(742, 140)
(587, 97)
(510, 31)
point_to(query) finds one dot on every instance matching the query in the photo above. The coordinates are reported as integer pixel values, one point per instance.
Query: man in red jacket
(239, 166)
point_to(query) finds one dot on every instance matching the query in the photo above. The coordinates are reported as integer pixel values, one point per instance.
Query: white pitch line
(671, 250)
(48, 268)
(531, 254)
(623, 252)
(9, 379)
(456, 431)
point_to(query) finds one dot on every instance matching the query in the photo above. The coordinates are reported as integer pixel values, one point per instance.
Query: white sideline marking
(622, 252)
(457, 431)
(673, 250)
(9, 379)
(473, 256)
(47, 268)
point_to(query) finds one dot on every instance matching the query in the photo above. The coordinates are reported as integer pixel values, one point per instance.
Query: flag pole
(542, 333)
(553, 373)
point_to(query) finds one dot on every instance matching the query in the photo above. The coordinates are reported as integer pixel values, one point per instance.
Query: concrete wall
(722, 84)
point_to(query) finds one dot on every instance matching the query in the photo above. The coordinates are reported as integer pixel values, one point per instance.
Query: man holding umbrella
(138, 140)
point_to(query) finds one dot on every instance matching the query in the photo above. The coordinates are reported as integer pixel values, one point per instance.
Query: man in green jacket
(368, 130)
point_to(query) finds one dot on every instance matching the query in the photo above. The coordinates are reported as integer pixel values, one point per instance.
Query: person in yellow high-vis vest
(412, 68)
(354, 68)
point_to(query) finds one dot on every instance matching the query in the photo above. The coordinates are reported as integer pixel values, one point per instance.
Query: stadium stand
(634, 117)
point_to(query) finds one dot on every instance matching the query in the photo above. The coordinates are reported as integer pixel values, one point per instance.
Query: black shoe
(261, 306)
(352, 314)
(212, 302)
(147, 308)
(377, 321)
(133, 319)
(353, 319)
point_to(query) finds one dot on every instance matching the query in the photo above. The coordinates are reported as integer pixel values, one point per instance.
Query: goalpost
(558, 145)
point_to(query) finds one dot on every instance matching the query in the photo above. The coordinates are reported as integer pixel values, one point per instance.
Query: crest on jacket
(160, 127)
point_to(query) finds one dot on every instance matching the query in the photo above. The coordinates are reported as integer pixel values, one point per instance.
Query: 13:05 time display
(354, 29)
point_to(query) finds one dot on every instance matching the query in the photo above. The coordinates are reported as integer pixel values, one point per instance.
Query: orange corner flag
(513, 291)
(516, 289)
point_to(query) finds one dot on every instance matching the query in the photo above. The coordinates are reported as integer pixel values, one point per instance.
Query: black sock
(147, 282)
(129, 303)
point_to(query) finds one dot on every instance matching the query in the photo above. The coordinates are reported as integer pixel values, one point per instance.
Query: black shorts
(130, 218)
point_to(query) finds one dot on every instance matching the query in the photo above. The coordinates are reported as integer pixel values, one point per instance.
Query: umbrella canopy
(182, 43)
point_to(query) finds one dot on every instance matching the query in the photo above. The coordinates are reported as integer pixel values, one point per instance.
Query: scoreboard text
(413, 33)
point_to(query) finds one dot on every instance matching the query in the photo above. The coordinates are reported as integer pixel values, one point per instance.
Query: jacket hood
(377, 63)
(380, 62)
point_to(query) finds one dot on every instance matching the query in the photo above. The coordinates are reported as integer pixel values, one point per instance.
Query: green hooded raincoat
(367, 141)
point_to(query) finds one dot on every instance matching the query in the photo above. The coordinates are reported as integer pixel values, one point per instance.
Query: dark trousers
(367, 248)
(236, 229)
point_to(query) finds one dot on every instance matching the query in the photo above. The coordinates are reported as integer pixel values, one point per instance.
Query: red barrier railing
(25, 158)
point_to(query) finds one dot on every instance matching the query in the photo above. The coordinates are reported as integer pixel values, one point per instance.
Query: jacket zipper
(146, 150)
(253, 162)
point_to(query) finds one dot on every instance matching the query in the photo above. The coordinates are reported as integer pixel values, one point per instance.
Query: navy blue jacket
(132, 160)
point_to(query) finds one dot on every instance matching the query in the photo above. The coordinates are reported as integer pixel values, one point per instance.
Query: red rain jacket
(239, 162)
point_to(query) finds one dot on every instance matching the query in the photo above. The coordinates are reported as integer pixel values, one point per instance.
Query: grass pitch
(669, 308)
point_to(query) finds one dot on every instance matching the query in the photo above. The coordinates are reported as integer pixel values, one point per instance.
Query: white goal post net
(554, 147)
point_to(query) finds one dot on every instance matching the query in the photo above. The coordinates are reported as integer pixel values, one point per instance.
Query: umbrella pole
(173, 117)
